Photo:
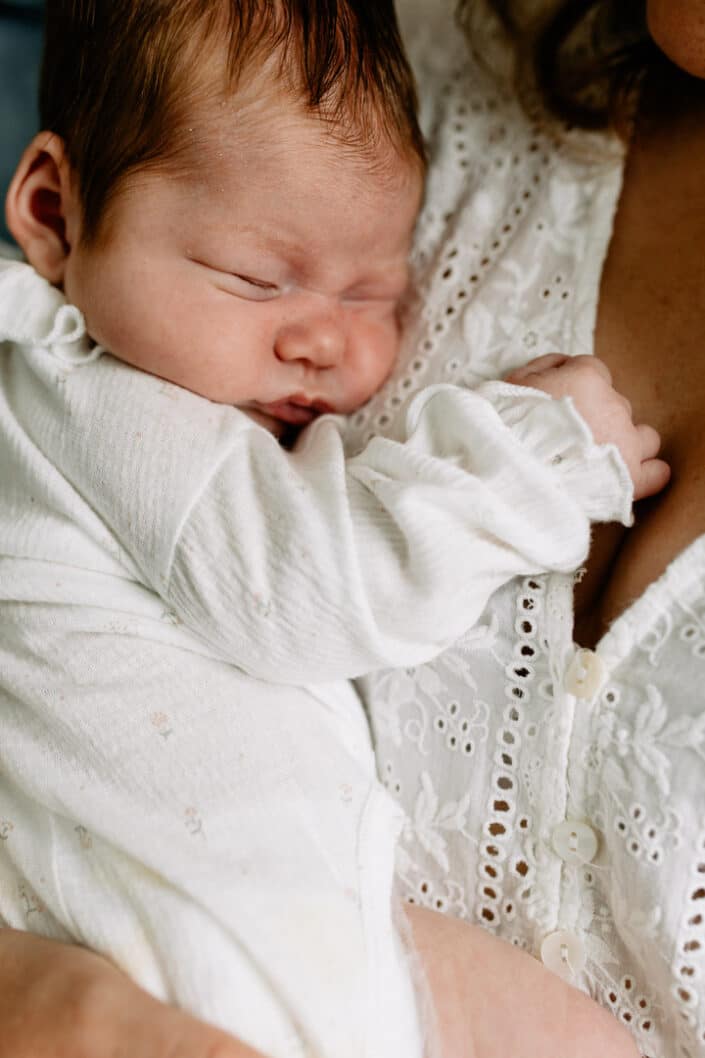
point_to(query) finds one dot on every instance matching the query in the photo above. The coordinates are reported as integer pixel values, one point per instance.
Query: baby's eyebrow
(393, 280)
(305, 261)
(275, 242)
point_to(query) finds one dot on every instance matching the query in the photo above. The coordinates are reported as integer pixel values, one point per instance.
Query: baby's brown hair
(116, 76)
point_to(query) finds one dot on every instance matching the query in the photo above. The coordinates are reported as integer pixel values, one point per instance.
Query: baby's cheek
(125, 327)
(385, 348)
(376, 354)
(117, 295)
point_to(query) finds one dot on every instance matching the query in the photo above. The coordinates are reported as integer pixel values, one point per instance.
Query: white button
(563, 954)
(585, 674)
(575, 842)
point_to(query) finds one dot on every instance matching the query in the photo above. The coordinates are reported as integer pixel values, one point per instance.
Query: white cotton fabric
(168, 575)
(493, 746)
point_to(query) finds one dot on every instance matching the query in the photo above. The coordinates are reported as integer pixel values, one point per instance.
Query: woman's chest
(651, 333)
(623, 563)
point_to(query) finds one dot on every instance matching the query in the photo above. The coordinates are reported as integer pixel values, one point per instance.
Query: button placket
(555, 632)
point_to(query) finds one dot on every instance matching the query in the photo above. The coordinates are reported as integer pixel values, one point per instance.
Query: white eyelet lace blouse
(555, 795)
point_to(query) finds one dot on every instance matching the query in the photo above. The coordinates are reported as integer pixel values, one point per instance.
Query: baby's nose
(320, 342)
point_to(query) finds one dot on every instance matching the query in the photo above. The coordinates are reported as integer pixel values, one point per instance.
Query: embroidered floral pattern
(508, 262)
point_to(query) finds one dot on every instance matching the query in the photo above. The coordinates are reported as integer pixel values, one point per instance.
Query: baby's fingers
(534, 367)
(653, 475)
(649, 441)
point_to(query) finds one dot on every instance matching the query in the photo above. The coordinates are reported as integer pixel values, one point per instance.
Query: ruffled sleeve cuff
(594, 476)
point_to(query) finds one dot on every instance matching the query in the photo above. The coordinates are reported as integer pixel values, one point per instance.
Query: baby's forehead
(290, 201)
(268, 149)
(265, 120)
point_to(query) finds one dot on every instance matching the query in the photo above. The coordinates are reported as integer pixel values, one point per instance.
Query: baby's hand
(608, 414)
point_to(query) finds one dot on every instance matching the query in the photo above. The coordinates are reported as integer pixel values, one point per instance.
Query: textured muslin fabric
(552, 794)
(167, 571)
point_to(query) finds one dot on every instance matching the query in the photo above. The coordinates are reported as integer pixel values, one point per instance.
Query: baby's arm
(325, 568)
(305, 566)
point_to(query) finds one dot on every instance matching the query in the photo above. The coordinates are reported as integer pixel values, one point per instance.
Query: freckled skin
(678, 27)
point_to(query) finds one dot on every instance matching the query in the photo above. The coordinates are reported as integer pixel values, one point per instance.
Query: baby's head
(227, 189)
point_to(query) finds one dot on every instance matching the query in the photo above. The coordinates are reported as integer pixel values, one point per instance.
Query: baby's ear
(40, 209)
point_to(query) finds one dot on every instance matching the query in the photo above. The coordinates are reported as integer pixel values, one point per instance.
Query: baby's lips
(323, 408)
(290, 412)
(296, 410)
(317, 404)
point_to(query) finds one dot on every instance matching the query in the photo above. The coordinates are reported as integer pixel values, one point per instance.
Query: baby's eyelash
(260, 283)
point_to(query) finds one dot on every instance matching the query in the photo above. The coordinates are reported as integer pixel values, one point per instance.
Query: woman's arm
(59, 1001)
(490, 1001)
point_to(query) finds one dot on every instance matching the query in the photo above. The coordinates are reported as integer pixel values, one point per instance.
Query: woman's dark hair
(586, 58)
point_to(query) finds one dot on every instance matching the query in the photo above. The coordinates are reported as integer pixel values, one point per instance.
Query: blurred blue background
(20, 53)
